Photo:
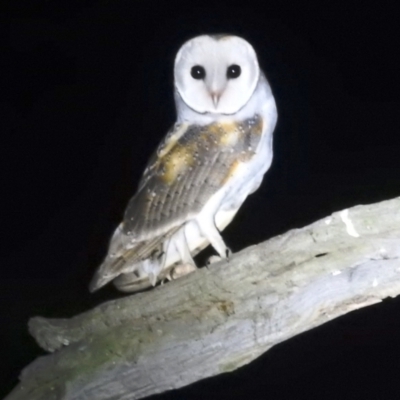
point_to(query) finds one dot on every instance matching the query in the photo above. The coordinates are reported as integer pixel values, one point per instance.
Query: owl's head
(216, 74)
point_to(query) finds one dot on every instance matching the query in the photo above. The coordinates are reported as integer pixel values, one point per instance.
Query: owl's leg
(152, 268)
(187, 263)
(210, 232)
(182, 247)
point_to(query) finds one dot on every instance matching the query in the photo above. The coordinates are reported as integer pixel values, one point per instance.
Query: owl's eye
(233, 71)
(198, 72)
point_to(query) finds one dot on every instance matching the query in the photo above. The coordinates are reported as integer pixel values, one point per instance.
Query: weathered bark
(222, 317)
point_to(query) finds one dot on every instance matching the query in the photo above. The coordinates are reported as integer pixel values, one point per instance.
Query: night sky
(87, 96)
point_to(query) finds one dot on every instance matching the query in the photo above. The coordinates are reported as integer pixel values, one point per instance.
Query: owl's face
(216, 74)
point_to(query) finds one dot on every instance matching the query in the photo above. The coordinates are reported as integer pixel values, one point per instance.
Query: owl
(214, 156)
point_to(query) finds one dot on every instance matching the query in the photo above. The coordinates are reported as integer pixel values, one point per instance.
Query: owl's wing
(190, 166)
(122, 256)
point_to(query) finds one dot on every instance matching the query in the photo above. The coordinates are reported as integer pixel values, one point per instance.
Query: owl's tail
(106, 272)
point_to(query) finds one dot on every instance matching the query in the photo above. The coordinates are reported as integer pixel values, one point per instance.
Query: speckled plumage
(197, 179)
(186, 172)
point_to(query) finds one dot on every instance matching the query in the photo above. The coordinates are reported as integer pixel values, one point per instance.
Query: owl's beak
(215, 98)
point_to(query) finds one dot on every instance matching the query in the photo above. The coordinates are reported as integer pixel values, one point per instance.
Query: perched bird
(214, 156)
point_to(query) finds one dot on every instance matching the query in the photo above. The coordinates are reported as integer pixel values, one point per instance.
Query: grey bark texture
(222, 317)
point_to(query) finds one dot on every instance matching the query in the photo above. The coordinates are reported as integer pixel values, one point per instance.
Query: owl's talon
(168, 276)
(212, 260)
(182, 270)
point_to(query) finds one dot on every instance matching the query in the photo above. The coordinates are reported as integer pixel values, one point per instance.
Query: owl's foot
(131, 282)
(181, 270)
(214, 258)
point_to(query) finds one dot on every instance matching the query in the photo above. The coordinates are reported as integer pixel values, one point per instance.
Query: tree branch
(222, 317)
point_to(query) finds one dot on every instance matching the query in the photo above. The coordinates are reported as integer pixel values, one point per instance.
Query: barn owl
(214, 156)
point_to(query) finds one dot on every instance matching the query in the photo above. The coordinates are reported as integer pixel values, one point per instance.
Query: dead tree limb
(222, 317)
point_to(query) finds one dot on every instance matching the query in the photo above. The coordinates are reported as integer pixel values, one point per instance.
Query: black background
(87, 95)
